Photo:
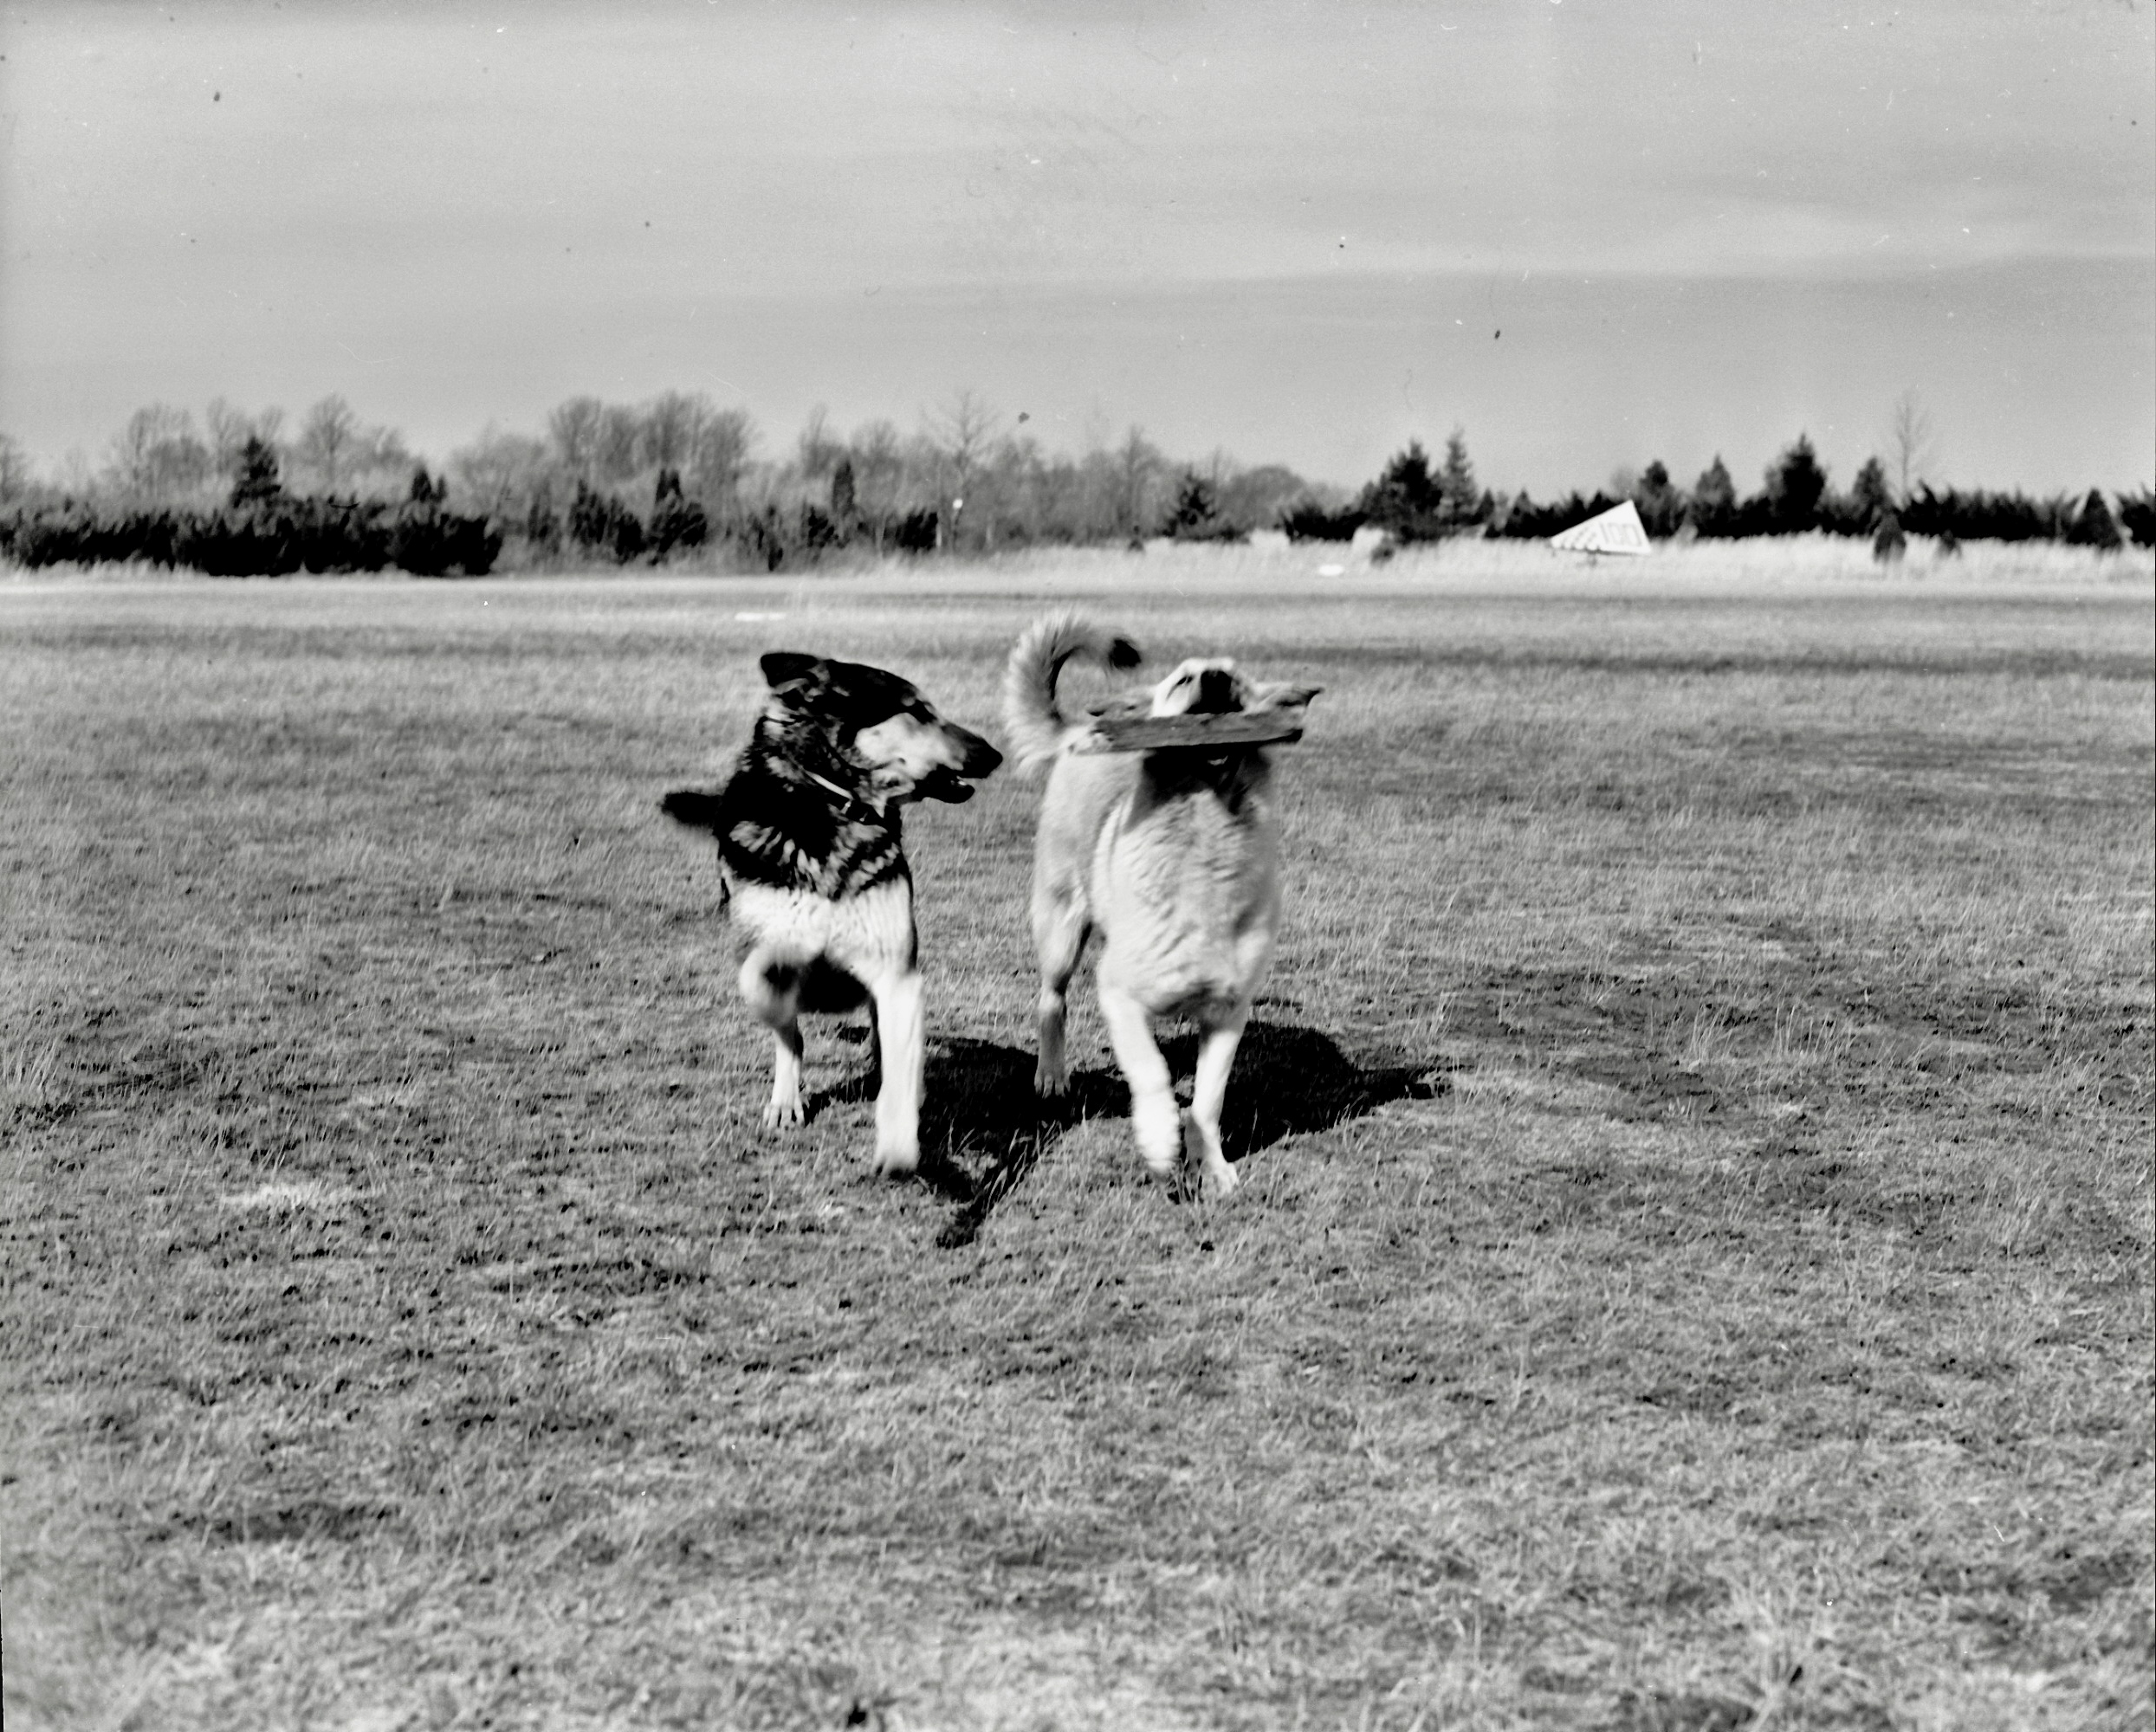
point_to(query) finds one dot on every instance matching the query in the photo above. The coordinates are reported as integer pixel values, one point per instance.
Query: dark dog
(814, 865)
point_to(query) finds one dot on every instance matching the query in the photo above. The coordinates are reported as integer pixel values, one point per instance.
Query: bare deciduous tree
(620, 442)
(1023, 484)
(573, 428)
(714, 472)
(327, 442)
(1910, 444)
(1139, 467)
(335, 452)
(229, 428)
(383, 460)
(673, 423)
(818, 452)
(14, 471)
(499, 473)
(879, 474)
(158, 454)
(961, 431)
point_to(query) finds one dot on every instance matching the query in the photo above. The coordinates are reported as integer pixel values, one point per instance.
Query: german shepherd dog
(1174, 856)
(812, 861)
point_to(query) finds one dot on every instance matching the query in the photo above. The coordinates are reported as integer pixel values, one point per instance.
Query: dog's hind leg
(1061, 929)
(1154, 1118)
(1216, 1058)
(772, 991)
(901, 1038)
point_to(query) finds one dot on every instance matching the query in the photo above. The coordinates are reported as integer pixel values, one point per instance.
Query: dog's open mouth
(946, 785)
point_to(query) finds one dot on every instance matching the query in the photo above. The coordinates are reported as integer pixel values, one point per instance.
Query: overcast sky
(1589, 234)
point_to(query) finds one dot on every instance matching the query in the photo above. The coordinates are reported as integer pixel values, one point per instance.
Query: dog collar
(854, 805)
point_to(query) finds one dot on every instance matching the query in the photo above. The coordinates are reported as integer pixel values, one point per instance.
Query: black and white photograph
(1159, 866)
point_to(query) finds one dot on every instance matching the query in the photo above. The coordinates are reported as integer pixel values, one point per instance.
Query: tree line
(1413, 501)
(678, 476)
(640, 481)
(259, 529)
(237, 499)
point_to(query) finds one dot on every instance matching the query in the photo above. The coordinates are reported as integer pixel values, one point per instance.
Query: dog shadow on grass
(983, 1129)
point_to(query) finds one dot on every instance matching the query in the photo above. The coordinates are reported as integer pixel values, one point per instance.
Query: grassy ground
(1692, 1270)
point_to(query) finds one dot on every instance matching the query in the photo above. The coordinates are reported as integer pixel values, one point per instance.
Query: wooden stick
(1117, 728)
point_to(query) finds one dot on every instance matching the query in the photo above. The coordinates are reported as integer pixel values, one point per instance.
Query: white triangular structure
(1618, 530)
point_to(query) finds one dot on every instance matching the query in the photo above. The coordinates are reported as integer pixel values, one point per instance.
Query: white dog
(1174, 856)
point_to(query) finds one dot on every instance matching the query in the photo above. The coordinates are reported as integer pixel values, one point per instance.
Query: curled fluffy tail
(1035, 726)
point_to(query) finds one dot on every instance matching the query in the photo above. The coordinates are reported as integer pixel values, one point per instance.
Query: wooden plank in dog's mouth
(1120, 728)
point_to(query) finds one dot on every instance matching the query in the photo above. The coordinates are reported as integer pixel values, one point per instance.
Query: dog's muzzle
(1219, 694)
(953, 785)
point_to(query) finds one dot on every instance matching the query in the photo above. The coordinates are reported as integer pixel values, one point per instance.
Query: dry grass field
(1692, 1270)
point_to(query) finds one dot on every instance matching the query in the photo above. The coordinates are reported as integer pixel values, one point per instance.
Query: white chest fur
(870, 936)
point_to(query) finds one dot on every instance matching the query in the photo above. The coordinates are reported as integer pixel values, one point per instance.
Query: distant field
(1692, 1269)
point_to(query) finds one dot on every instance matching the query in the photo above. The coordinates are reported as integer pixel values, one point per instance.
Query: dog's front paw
(1208, 1173)
(781, 1110)
(897, 1162)
(1159, 1129)
(1217, 1180)
(1051, 1079)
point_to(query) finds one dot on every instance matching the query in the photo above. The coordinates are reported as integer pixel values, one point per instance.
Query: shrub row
(265, 532)
(1414, 498)
(1951, 516)
(1976, 515)
(2093, 522)
(274, 537)
(600, 525)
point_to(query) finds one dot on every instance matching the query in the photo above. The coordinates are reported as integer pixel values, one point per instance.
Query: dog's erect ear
(788, 671)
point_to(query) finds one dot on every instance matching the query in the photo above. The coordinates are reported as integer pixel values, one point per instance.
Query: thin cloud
(241, 198)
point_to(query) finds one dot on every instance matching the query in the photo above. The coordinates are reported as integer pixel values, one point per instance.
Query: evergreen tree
(1405, 497)
(541, 527)
(1795, 483)
(2095, 527)
(675, 521)
(1192, 516)
(1871, 494)
(257, 482)
(1661, 508)
(1714, 500)
(1456, 491)
(2137, 516)
(589, 516)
